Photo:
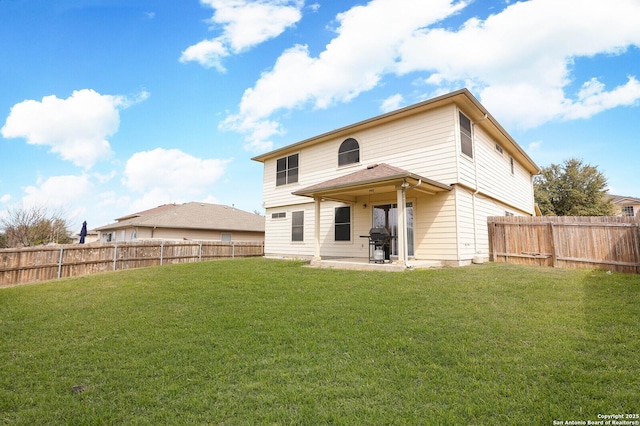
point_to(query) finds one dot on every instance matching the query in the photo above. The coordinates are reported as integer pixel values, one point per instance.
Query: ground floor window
(226, 237)
(343, 224)
(297, 226)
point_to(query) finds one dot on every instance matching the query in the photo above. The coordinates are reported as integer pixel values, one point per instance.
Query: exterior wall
(278, 231)
(424, 144)
(636, 208)
(126, 234)
(494, 174)
(435, 227)
(472, 213)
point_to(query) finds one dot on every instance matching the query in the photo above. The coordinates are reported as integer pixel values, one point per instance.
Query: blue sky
(108, 107)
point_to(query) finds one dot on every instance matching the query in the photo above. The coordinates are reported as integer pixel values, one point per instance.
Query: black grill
(379, 235)
(379, 245)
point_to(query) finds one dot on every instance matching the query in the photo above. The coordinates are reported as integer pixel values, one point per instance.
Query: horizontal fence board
(18, 266)
(567, 241)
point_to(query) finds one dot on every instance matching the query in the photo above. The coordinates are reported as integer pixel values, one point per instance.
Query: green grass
(257, 341)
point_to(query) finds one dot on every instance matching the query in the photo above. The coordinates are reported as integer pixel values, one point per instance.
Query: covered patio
(378, 179)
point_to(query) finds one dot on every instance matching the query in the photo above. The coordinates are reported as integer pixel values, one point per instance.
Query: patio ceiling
(376, 178)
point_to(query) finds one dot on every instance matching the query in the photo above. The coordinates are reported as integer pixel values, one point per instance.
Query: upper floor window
(465, 135)
(287, 170)
(349, 152)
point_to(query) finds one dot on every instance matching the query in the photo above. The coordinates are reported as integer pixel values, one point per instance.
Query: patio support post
(316, 232)
(402, 227)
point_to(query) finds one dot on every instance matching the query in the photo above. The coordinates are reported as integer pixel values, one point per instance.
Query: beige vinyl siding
(465, 224)
(486, 207)
(278, 232)
(434, 225)
(495, 178)
(423, 144)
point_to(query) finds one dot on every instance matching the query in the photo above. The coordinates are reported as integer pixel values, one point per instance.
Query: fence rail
(19, 266)
(567, 241)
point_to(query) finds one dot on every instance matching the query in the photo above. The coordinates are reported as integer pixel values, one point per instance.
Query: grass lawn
(256, 341)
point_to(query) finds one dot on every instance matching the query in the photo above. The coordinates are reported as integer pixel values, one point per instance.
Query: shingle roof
(622, 200)
(193, 216)
(372, 174)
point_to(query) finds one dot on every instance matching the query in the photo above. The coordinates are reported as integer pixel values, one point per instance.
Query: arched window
(349, 152)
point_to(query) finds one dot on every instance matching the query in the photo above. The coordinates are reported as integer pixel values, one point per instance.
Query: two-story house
(430, 174)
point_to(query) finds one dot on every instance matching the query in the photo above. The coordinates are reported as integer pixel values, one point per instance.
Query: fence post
(492, 242)
(233, 249)
(115, 256)
(161, 251)
(200, 253)
(637, 248)
(554, 253)
(60, 262)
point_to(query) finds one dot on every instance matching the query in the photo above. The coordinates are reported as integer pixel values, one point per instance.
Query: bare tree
(26, 227)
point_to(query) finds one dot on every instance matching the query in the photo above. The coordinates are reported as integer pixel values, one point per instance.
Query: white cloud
(5, 198)
(392, 103)
(533, 147)
(363, 51)
(519, 60)
(593, 99)
(245, 24)
(64, 194)
(171, 175)
(75, 128)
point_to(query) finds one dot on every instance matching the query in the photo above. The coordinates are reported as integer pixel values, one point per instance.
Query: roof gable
(463, 99)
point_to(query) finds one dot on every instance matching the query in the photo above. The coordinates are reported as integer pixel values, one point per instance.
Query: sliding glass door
(386, 216)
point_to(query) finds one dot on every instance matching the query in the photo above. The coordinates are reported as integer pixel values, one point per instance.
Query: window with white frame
(287, 170)
(628, 211)
(466, 144)
(343, 223)
(349, 152)
(297, 226)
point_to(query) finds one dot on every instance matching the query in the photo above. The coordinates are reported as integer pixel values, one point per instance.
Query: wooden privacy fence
(25, 265)
(566, 241)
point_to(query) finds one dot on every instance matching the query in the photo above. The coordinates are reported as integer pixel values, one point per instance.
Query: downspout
(474, 194)
(405, 243)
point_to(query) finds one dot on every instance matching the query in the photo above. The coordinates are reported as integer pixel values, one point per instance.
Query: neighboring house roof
(192, 216)
(367, 180)
(462, 98)
(622, 200)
